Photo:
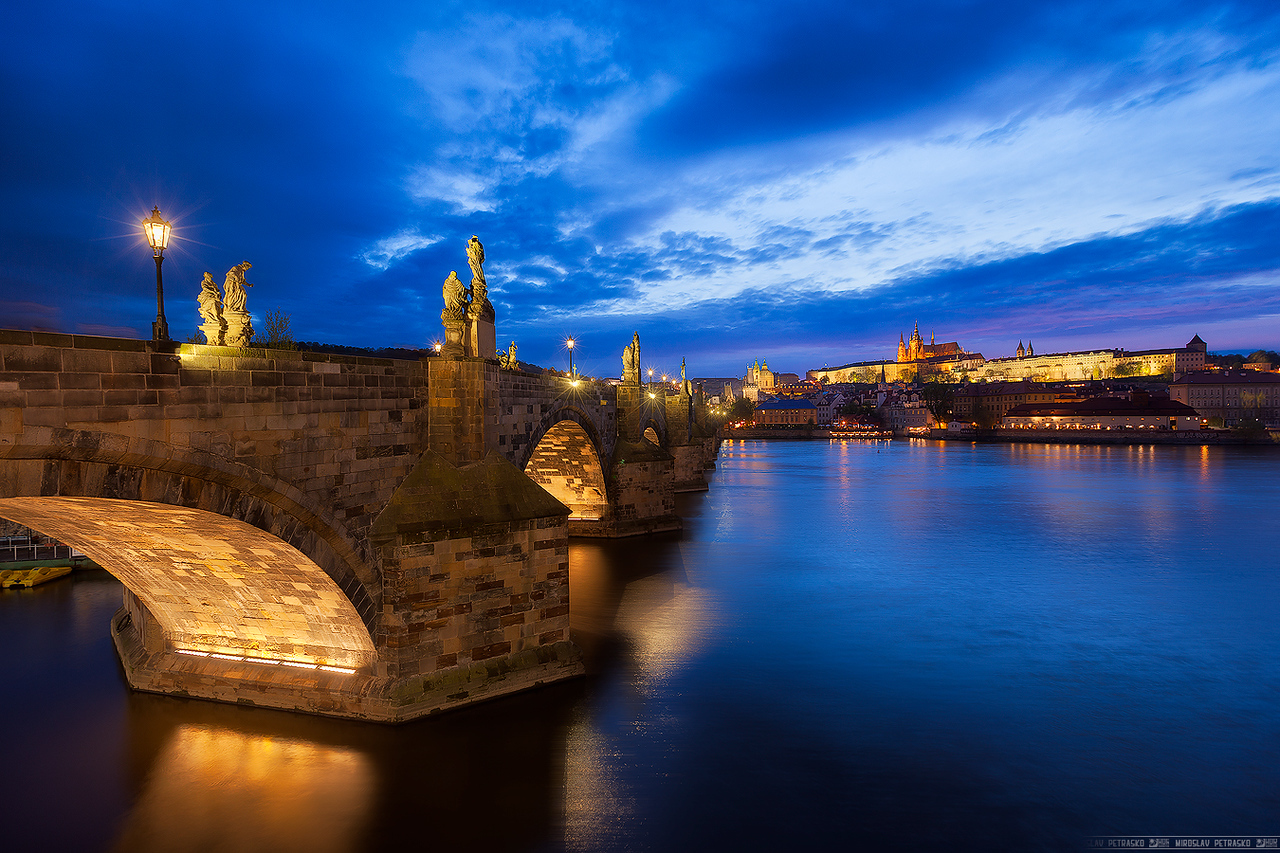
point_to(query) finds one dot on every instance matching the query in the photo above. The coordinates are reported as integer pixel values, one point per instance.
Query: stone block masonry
(475, 567)
(342, 430)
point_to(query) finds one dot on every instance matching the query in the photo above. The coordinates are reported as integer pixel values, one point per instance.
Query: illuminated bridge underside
(565, 463)
(213, 584)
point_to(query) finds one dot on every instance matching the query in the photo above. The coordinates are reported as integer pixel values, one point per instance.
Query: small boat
(27, 578)
(27, 561)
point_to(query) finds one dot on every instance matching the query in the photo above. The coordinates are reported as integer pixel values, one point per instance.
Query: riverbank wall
(1112, 436)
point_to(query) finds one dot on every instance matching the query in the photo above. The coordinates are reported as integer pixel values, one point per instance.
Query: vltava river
(921, 646)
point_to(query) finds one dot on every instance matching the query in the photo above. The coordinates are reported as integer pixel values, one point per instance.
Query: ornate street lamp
(569, 343)
(157, 230)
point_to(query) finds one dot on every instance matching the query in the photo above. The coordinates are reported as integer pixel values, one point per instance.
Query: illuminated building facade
(1231, 395)
(1139, 411)
(987, 402)
(759, 379)
(949, 362)
(786, 412)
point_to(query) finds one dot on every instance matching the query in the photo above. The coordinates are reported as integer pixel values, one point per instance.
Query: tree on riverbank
(742, 409)
(938, 399)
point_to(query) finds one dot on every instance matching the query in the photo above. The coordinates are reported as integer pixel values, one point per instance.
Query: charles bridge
(359, 537)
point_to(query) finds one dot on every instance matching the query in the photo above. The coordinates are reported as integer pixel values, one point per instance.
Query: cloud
(389, 250)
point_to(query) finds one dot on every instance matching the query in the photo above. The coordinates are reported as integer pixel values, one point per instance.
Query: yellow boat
(10, 578)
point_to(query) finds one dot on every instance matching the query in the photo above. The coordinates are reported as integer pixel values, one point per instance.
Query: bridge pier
(474, 571)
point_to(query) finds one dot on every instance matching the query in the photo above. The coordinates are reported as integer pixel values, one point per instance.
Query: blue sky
(735, 181)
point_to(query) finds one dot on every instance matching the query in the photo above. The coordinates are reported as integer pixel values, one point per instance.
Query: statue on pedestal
(631, 361)
(480, 313)
(454, 316)
(508, 359)
(239, 326)
(210, 301)
(481, 307)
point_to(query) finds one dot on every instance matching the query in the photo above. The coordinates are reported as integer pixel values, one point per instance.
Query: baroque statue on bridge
(455, 298)
(508, 359)
(481, 307)
(468, 314)
(631, 361)
(454, 317)
(210, 302)
(239, 326)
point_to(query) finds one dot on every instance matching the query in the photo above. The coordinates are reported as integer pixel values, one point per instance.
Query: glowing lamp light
(157, 231)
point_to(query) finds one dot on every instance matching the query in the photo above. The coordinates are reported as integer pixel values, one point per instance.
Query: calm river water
(921, 646)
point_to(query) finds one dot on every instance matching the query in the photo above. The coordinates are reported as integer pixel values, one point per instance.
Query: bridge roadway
(368, 538)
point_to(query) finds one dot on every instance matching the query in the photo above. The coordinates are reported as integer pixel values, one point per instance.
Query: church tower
(915, 349)
(902, 349)
(1021, 352)
(1031, 350)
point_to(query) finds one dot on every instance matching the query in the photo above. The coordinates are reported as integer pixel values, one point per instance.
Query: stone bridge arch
(567, 457)
(654, 429)
(209, 585)
(104, 480)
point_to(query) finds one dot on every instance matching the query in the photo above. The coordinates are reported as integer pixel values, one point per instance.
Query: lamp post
(569, 343)
(157, 230)
(650, 379)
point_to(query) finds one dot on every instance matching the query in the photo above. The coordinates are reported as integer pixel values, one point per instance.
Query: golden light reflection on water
(665, 622)
(212, 788)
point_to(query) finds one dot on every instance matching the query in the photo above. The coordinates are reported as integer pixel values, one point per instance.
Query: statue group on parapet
(508, 360)
(468, 314)
(226, 322)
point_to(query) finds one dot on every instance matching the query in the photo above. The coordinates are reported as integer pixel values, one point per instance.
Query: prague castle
(950, 362)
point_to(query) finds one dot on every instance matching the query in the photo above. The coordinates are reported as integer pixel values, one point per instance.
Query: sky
(794, 183)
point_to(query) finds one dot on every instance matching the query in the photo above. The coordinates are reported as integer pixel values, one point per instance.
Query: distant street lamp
(651, 378)
(157, 230)
(569, 343)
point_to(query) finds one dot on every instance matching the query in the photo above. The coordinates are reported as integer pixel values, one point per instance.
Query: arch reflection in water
(213, 788)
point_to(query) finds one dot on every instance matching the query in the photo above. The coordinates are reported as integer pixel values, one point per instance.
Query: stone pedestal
(455, 335)
(214, 333)
(483, 339)
(239, 329)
